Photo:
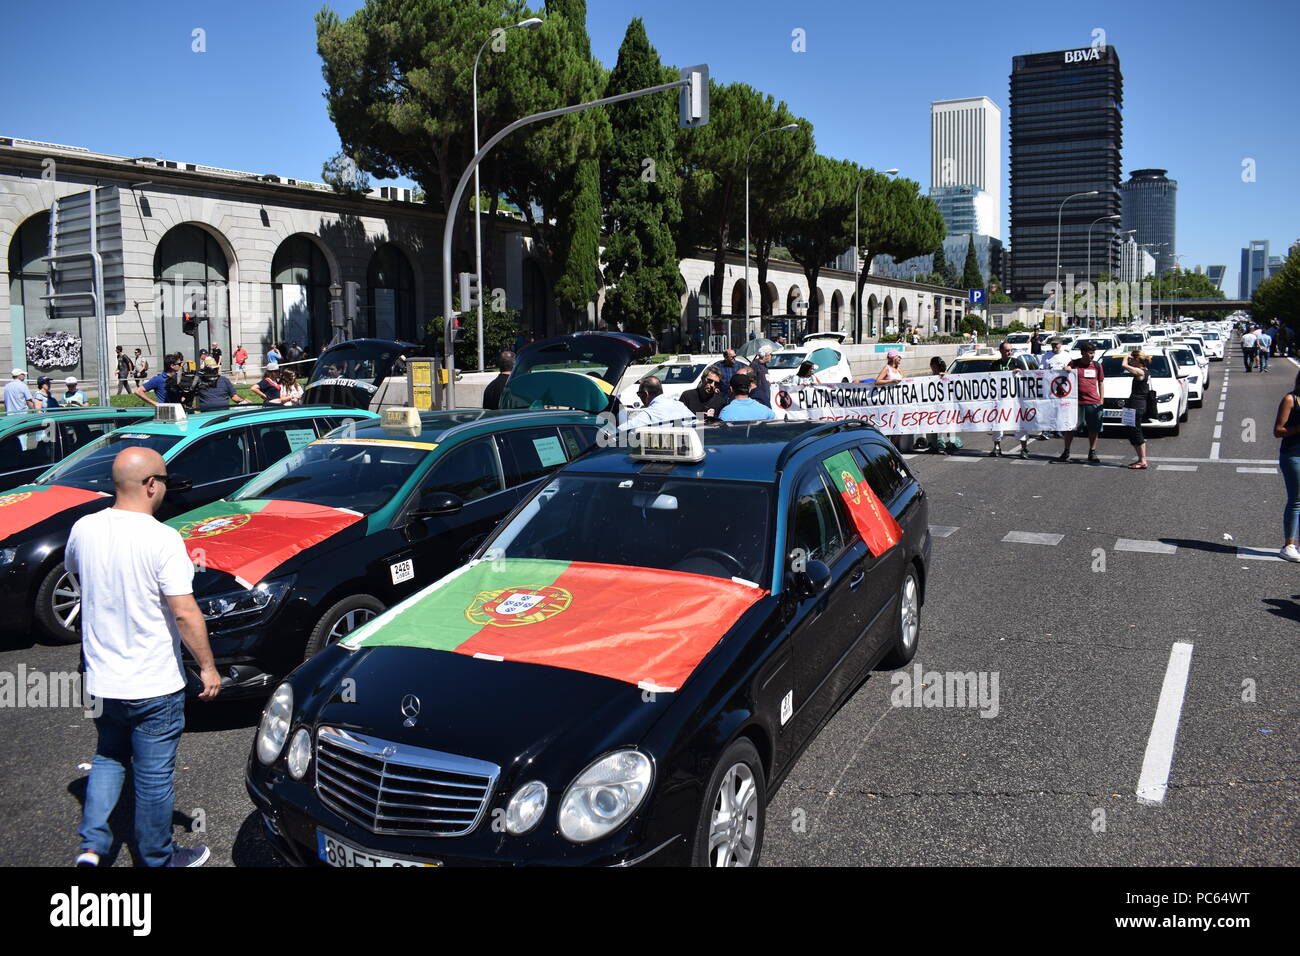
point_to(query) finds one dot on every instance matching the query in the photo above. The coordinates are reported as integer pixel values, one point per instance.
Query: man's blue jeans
(142, 734)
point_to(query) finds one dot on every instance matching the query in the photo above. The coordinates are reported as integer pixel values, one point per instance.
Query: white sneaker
(1290, 553)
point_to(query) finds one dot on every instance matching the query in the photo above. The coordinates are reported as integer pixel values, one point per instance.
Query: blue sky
(1206, 84)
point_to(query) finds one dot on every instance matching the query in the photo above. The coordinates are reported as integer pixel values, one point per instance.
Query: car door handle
(857, 579)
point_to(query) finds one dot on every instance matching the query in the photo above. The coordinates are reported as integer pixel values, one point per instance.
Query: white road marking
(1257, 471)
(1032, 537)
(1214, 452)
(1146, 547)
(1258, 554)
(942, 531)
(1154, 780)
(1176, 467)
(965, 457)
(1219, 417)
(1218, 432)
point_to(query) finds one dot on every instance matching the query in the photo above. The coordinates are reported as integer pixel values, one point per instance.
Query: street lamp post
(776, 129)
(1094, 292)
(1059, 212)
(857, 282)
(532, 23)
(1147, 245)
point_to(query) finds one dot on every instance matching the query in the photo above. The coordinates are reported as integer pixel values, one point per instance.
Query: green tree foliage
(973, 323)
(897, 221)
(342, 173)
(1178, 284)
(1278, 297)
(970, 273)
(641, 194)
(776, 160)
(942, 270)
(820, 224)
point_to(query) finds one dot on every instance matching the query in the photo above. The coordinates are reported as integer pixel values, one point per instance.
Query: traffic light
(189, 324)
(469, 291)
(455, 321)
(351, 301)
(693, 100)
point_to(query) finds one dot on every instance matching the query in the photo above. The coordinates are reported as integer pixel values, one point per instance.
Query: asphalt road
(1079, 634)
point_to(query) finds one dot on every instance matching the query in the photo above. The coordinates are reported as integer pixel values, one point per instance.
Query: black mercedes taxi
(624, 673)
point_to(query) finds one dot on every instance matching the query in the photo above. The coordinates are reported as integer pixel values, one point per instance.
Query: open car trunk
(573, 371)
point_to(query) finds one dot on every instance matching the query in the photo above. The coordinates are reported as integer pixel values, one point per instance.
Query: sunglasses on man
(166, 480)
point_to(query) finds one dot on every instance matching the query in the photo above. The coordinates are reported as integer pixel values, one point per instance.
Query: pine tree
(641, 194)
(970, 273)
(942, 269)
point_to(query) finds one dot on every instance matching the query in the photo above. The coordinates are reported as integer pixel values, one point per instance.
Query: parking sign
(975, 296)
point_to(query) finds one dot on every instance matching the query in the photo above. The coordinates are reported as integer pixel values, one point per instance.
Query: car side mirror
(813, 579)
(438, 504)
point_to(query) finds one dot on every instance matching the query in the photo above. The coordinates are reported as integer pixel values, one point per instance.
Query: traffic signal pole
(694, 81)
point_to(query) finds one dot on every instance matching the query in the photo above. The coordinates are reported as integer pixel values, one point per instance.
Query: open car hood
(573, 371)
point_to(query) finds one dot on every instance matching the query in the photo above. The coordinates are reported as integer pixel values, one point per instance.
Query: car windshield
(92, 467)
(1097, 344)
(677, 373)
(976, 365)
(1183, 357)
(787, 359)
(1194, 346)
(715, 528)
(1210, 336)
(337, 474)
(1113, 367)
(1018, 338)
(361, 361)
(1131, 338)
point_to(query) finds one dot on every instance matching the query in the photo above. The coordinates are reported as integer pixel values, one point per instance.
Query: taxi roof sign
(169, 412)
(401, 420)
(681, 444)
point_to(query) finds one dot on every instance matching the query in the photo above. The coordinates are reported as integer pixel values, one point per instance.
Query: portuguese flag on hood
(643, 626)
(250, 539)
(28, 505)
(874, 522)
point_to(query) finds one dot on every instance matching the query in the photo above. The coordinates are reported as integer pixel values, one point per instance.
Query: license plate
(1112, 414)
(335, 852)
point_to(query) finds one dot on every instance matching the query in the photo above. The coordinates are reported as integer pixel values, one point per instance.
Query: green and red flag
(640, 625)
(28, 505)
(874, 522)
(250, 539)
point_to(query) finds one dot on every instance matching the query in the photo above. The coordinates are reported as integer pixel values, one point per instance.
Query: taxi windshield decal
(29, 505)
(391, 442)
(250, 539)
(639, 625)
(879, 530)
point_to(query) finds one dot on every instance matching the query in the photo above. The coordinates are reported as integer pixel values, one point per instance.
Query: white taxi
(1171, 391)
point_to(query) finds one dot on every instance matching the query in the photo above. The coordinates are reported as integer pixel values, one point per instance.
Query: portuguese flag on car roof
(29, 505)
(250, 539)
(640, 625)
(874, 522)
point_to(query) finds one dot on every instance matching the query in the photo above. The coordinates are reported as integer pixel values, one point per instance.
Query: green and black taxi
(626, 670)
(208, 455)
(356, 521)
(31, 442)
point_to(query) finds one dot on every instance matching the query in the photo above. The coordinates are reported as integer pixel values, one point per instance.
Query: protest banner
(978, 401)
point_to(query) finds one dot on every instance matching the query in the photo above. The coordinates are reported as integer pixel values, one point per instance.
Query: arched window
(390, 293)
(191, 276)
(300, 293)
(706, 297)
(27, 310)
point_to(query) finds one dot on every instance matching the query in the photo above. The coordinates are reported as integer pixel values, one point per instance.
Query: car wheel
(1173, 432)
(907, 624)
(58, 606)
(340, 621)
(1183, 417)
(730, 828)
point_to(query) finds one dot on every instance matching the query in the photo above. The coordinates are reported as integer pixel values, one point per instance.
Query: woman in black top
(1287, 428)
(1136, 364)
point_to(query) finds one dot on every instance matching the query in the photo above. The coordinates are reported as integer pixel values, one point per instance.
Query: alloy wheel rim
(910, 618)
(65, 602)
(348, 623)
(733, 826)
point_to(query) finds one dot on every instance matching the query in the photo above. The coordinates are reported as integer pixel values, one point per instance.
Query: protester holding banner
(1090, 377)
(1010, 363)
(948, 442)
(1136, 364)
(893, 369)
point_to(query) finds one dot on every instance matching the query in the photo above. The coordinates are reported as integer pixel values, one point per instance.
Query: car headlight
(526, 807)
(1165, 398)
(299, 758)
(274, 727)
(7, 556)
(258, 600)
(604, 796)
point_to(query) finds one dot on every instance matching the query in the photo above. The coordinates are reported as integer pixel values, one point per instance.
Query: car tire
(907, 624)
(729, 831)
(58, 604)
(1183, 417)
(340, 620)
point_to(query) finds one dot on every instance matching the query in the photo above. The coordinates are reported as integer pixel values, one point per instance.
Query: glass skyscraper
(1066, 132)
(1254, 268)
(1149, 207)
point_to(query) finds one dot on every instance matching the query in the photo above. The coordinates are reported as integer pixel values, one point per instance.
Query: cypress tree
(970, 273)
(642, 194)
